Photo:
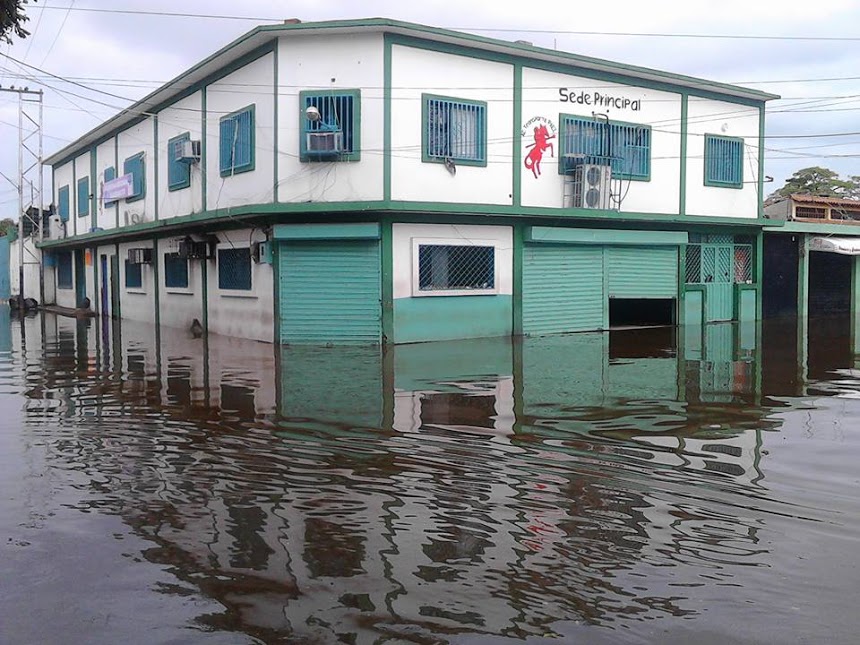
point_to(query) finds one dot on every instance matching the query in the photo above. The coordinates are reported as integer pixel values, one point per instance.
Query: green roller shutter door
(639, 272)
(562, 288)
(330, 292)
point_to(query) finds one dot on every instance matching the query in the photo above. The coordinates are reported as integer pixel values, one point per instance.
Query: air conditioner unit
(591, 187)
(189, 152)
(324, 144)
(191, 250)
(57, 227)
(140, 256)
(261, 252)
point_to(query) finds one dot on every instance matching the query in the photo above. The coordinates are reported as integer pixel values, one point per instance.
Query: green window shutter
(236, 142)
(63, 203)
(178, 171)
(626, 147)
(175, 271)
(110, 175)
(454, 130)
(135, 167)
(336, 135)
(83, 205)
(724, 161)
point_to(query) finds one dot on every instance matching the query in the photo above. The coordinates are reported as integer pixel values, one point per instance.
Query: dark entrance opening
(781, 255)
(641, 312)
(829, 284)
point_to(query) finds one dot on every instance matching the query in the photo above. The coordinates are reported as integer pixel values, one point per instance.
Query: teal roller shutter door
(330, 292)
(638, 272)
(562, 288)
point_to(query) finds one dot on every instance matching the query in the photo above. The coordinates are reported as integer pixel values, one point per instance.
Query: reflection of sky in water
(493, 487)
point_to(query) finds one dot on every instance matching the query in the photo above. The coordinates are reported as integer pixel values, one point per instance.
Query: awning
(842, 245)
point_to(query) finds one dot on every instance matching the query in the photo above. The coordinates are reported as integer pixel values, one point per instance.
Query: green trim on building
(204, 173)
(155, 156)
(682, 198)
(116, 165)
(604, 236)
(517, 287)
(74, 184)
(387, 277)
(94, 173)
(157, 284)
(350, 231)
(276, 102)
(855, 304)
(761, 161)
(386, 125)
(452, 318)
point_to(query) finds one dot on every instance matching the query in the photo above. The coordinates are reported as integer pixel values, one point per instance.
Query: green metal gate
(330, 292)
(563, 288)
(717, 268)
(642, 272)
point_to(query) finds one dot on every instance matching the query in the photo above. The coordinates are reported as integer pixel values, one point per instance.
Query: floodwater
(640, 486)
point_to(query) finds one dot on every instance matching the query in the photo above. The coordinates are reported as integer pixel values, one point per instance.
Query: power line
(59, 31)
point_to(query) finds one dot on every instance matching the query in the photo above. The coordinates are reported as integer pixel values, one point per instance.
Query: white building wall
(137, 303)
(707, 116)
(542, 97)
(417, 71)
(32, 258)
(138, 138)
(184, 116)
(180, 307)
(252, 84)
(106, 215)
(403, 261)
(82, 169)
(330, 63)
(248, 314)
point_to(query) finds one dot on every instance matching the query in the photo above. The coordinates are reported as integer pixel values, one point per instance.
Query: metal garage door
(642, 272)
(562, 288)
(330, 292)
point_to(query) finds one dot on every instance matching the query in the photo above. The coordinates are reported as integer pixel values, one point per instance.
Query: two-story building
(379, 181)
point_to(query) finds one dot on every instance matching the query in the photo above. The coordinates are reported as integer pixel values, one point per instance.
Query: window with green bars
(626, 147)
(136, 167)
(175, 271)
(724, 158)
(133, 275)
(454, 130)
(83, 201)
(109, 175)
(63, 203)
(456, 267)
(334, 134)
(64, 270)
(234, 269)
(178, 170)
(236, 142)
(719, 263)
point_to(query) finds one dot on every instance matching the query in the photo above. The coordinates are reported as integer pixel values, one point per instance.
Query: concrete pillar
(802, 309)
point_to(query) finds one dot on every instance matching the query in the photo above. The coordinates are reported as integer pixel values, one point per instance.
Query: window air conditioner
(56, 227)
(324, 144)
(140, 256)
(191, 250)
(261, 252)
(188, 152)
(591, 186)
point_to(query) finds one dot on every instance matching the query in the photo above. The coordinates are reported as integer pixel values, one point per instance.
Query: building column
(802, 308)
(855, 304)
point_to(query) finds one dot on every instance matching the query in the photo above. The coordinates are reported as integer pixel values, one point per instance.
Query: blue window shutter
(83, 201)
(63, 203)
(135, 167)
(226, 144)
(110, 175)
(454, 129)
(178, 172)
(236, 143)
(723, 161)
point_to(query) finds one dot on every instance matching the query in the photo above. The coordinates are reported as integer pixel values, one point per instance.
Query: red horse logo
(541, 145)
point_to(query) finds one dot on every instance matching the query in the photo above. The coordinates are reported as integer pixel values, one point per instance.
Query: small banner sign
(118, 188)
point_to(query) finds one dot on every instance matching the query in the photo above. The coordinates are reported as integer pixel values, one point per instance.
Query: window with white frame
(454, 267)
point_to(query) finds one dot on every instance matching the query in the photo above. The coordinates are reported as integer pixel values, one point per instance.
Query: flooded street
(637, 486)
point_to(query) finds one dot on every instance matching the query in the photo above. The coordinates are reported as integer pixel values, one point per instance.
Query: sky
(806, 52)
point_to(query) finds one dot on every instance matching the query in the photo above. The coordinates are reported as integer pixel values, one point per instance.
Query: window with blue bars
(234, 269)
(136, 167)
(454, 130)
(110, 175)
(175, 271)
(83, 202)
(63, 203)
(133, 275)
(64, 270)
(450, 267)
(178, 169)
(335, 132)
(724, 158)
(236, 142)
(626, 147)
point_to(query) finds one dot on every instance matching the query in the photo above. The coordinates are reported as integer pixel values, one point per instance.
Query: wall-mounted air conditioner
(140, 256)
(193, 250)
(261, 252)
(189, 151)
(591, 186)
(324, 144)
(56, 227)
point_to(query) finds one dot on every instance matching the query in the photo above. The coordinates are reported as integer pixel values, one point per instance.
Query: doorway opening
(641, 312)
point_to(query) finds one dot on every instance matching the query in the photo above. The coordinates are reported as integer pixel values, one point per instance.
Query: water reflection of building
(490, 487)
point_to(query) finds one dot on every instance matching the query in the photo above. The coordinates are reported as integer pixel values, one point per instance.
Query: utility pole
(30, 139)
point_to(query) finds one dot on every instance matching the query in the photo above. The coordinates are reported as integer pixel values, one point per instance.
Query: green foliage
(7, 225)
(822, 182)
(12, 19)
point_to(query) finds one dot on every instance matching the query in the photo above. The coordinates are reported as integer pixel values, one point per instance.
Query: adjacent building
(374, 181)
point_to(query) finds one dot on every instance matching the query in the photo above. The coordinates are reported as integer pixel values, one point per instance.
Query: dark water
(646, 486)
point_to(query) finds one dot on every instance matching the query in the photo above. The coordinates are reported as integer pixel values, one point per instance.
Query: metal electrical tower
(29, 181)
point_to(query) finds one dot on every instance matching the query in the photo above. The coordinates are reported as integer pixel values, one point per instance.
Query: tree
(6, 225)
(819, 181)
(12, 19)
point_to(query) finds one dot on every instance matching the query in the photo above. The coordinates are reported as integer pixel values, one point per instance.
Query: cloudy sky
(807, 52)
